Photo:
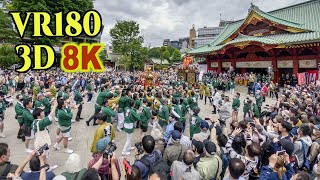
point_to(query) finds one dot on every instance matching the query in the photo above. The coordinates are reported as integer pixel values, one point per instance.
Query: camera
(138, 145)
(43, 148)
(110, 150)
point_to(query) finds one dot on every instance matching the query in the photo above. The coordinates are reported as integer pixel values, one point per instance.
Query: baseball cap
(204, 124)
(103, 143)
(287, 145)
(210, 147)
(176, 135)
(197, 144)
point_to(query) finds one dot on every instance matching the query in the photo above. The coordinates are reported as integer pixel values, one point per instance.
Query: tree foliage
(127, 41)
(8, 56)
(169, 53)
(176, 56)
(50, 6)
(7, 34)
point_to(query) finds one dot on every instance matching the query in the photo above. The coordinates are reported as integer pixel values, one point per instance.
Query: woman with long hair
(278, 168)
(64, 119)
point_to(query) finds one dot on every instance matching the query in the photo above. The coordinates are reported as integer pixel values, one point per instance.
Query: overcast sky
(172, 19)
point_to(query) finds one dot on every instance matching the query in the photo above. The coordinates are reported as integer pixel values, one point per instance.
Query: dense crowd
(271, 141)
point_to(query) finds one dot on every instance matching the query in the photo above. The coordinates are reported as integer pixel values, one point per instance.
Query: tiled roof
(302, 16)
(158, 61)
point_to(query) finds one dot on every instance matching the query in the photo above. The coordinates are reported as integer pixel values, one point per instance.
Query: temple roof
(302, 20)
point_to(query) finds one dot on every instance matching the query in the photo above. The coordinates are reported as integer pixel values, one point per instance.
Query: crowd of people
(270, 141)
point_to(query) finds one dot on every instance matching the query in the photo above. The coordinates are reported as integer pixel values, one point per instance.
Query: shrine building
(286, 39)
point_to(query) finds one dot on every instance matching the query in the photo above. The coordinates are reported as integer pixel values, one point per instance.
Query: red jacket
(264, 90)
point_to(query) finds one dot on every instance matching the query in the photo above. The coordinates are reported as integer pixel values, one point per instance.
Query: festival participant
(102, 97)
(130, 118)
(27, 122)
(19, 113)
(64, 119)
(2, 112)
(78, 98)
(163, 114)
(145, 117)
(109, 112)
(121, 106)
(235, 107)
(195, 121)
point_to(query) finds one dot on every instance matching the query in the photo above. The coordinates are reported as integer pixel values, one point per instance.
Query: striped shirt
(249, 164)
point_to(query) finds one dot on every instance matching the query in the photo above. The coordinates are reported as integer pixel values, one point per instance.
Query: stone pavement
(83, 135)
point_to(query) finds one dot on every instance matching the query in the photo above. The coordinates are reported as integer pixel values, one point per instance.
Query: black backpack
(6, 171)
(160, 166)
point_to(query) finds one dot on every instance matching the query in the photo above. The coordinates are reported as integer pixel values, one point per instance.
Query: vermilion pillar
(219, 66)
(295, 66)
(275, 70)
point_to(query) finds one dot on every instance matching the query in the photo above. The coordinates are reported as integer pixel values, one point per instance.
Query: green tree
(171, 49)
(125, 61)
(165, 55)
(8, 56)
(154, 52)
(50, 6)
(7, 34)
(176, 56)
(103, 56)
(127, 41)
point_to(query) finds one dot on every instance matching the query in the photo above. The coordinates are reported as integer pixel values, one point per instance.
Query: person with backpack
(302, 145)
(184, 169)
(175, 150)
(151, 162)
(210, 166)
(5, 166)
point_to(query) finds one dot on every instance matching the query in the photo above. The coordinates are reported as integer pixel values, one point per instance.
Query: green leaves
(127, 41)
(7, 34)
(165, 52)
(8, 56)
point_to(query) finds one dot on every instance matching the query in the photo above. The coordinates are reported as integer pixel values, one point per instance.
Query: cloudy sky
(172, 19)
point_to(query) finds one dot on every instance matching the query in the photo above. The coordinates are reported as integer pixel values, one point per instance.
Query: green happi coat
(145, 116)
(184, 112)
(195, 121)
(177, 109)
(236, 103)
(109, 113)
(38, 104)
(100, 99)
(256, 112)
(64, 119)
(163, 115)
(78, 97)
(137, 104)
(232, 85)
(18, 108)
(215, 83)
(246, 106)
(42, 124)
(46, 103)
(130, 117)
(4, 89)
(259, 100)
(122, 103)
(192, 101)
(27, 118)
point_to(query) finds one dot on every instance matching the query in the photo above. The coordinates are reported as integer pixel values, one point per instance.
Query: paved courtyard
(83, 135)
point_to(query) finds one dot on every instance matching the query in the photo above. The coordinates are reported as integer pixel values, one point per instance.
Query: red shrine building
(286, 39)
